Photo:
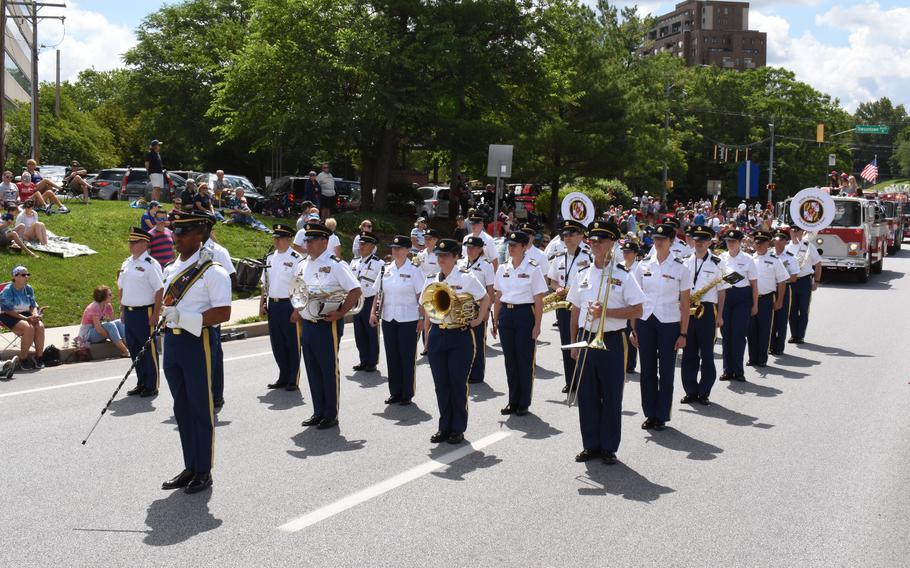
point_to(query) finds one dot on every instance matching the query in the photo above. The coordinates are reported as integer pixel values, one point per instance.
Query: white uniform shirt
(624, 292)
(678, 249)
(212, 290)
(482, 269)
(555, 247)
(565, 267)
(427, 261)
(139, 279)
(540, 257)
(221, 256)
(355, 246)
(300, 239)
(462, 282)
(327, 272)
(279, 271)
(490, 251)
(741, 264)
(806, 256)
(401, 289)
(335, 242)
(770, 271)
(705, 271)
(519, 285)
(788, 260)
(366, 270)
(662, 284)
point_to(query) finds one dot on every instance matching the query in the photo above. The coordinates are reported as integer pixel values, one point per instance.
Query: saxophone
(696, 309)
(556, 301)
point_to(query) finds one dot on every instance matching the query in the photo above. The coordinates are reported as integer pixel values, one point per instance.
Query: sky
(854, 50)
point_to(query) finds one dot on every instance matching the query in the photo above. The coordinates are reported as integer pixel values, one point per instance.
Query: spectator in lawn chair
(28, 189)
(8, 234)
(28, 226)
(43, 185)
(218, 188)
(98, 323)
(73, 181)
(21, 314)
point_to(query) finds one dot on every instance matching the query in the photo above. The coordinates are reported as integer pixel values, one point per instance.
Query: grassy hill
(66, 284)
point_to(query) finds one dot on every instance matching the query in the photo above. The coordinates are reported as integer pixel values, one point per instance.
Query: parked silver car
(435, 204)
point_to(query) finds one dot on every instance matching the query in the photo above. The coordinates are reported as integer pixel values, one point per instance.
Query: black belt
(606, 333)
(134, 308)
(765, 295)
(515, 306)
(806, 276)
(276, 300)
(707, 303)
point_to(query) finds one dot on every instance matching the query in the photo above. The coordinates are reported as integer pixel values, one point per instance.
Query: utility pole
(666, 139)
(771, 164)
(3, 85)
(57, 90)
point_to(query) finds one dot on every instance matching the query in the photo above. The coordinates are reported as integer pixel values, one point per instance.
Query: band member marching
(197, 298)
(564, 270)
(490, 252)
(782, 315)
(398, 307)
(366, 269)
(451, 343)
(740, 305)
(534, 253)
(661, 330)
(707, 271)
(810, 275)
(426, 259)
(601, 372)
(772, 281)
(517, 312)
(322, 271)
(141, 288)
(275, 302)
(482, 269)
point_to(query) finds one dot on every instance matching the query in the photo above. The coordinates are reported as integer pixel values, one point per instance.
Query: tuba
(314, 302)
(443, 304)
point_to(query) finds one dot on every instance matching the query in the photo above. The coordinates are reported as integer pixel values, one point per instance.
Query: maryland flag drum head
(578, 207)
(812, 209)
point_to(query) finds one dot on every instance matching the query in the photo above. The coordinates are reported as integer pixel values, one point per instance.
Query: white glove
(190, 321)
(171, 316)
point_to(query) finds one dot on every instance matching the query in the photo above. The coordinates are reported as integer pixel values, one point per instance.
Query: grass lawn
(66, 284)
(882, 185)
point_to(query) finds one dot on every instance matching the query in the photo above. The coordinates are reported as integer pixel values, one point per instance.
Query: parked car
(186, 174)
(347, 195)
(106, 184)
(132, 183)
(89, 178)
(435, 202)
(53, 173)
(283, 196)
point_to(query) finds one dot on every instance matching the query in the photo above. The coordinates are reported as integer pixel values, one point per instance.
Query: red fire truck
(894, 205)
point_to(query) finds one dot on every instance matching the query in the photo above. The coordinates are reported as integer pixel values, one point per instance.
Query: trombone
(598, 341)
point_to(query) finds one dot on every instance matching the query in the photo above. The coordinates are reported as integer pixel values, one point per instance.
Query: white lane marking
(103, 379)
(389, 484)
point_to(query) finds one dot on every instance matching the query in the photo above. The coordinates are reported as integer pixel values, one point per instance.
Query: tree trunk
(554, 192)
(367, 179)
(388, 142)
(456, 167)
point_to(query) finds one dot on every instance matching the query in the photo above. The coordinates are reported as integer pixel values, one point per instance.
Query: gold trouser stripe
(298, 329)
(337, 374)
(414, 370)
(154, 352)
(625, 359)
(714, 337)
(771, 329)
(467, 384)
(207, 350)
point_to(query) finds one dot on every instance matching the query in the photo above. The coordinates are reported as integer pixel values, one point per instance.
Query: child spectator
(148, 218)
(98, 324)
(161, 241)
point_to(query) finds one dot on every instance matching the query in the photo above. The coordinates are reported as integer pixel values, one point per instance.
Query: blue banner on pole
(747, 178)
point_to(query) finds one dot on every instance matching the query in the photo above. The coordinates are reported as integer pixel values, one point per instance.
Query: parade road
(803, 465)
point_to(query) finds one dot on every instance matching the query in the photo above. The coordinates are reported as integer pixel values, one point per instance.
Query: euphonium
(556, 300)
(314, 302)
(442, 303)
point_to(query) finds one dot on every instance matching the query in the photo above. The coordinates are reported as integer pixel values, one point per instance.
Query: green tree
(883, 112)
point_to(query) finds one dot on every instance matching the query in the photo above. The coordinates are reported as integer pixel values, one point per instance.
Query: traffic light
(820, 133)
(771, 186)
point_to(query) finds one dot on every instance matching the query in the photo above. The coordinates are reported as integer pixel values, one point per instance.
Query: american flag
(870, 172)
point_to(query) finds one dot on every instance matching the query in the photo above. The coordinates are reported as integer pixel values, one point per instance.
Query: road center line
(117, 377)
(389, 484)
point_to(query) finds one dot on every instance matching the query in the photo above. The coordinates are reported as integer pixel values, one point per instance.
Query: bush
(603, 192)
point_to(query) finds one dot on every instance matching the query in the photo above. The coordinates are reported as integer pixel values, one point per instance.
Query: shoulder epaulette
(533, 263)
(335, 258)
(149, 259)
(552, 256)
(715, 259)
(790, 253)
(295, 254)
(622, 267)
(677, 259)
(271, 253)
(487, 260)
(580, 268)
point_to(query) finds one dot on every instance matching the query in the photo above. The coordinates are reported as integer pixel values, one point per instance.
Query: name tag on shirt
(405, 275)
(289, 264)
(140, 269)
(524, 275)
(326, 269)
(667, 276)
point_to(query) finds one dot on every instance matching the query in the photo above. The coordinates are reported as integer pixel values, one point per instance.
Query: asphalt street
(803, 465)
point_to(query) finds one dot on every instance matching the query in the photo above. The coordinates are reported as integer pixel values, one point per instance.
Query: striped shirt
(161, 246)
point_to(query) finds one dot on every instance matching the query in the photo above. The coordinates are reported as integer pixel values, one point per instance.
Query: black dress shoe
(799, 341)
(739, 377)
(327, 423)
(291, 387)
(565, 389)
(218, 402)
(359, 367)
(792, 340)
(369, 369)
(648, 424)
(276, 385)
(392, 400)
(312, 421)
(423, 353)
(749, 363)
(147, 393)
(725, 377)
(761, 365)
(660, 425)
(587, 455)
(404, 402)
(631, 371)
(135, 390)
(522, 411)
(456, 438)
(775, 352)
(688, 399)
(704, 400)
(182, 480)
(439, 437)
(199, 482)
(507, 410)
(610, 458)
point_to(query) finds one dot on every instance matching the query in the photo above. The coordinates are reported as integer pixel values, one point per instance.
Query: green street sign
(872, 129)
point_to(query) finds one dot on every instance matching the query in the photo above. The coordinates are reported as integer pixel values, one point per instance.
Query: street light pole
(771, 164)
(666, 139)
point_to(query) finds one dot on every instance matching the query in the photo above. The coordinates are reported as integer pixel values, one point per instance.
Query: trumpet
(442, 303)
(556, 301)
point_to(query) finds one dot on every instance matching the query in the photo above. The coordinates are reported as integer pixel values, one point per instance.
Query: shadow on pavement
(876, 282)
(729, 416)
(314, 442)
(480, 392)
(619, 479)
(131, 405)
(545, 374)
(753, 388)
(404, 415)
(464, 466)
(367, 380)
(780, 372)
(834, 351)
(179, 517)
(791, 360)
(280, 399)
(534, 427)
(673, 439)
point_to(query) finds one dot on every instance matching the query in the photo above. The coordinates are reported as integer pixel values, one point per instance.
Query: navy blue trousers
(565, 337)
(600, 392)
(698, 354)
(284, 336)
(737, 312)
(631, 352)
(366, 337)
(799, 310)
(136, 323)
(479, 366)
(188, 370)
(320, 356)
(400, 340)
(217, 364)
(518, 350)
(656, 343)
(451, 352)
(781, 318)
(760, 329)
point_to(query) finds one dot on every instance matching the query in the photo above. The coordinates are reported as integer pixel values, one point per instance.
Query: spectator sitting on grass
(202, 201)
(187, 196)
(161, 240)
(28, 226)
(20, 313)
(9, 193)
(8, 233)
(28, 189)
(98, 324)
(241, 213)
(148, 218)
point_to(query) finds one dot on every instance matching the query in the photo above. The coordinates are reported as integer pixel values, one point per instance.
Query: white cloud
(873, 64)
(90, 41)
